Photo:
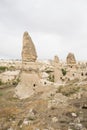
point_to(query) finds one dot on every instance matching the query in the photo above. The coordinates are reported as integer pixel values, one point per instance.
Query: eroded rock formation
(29, 77)
(71, 59)
(56, 59)
(28, 51)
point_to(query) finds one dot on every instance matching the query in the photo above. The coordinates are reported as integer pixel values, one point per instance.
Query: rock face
(28, 84)
(71, 59)
(29, 77)
(28, 51)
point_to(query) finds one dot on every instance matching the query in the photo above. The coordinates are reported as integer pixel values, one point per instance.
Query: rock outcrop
(29, 83)
(56, 59)
(29, 77)
(71, 59)
(28, 51)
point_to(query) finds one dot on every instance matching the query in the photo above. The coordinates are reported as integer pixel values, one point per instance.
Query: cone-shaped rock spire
(28, 51)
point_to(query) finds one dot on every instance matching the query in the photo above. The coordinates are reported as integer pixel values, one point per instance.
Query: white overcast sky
(56, 27)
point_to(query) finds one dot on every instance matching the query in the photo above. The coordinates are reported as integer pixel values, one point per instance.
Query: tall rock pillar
(28, 51)
(29, 77)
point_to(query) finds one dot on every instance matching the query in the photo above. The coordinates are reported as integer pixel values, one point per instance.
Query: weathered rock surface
(71, 59)
(7, 76)
(56, 59)
(29, 76)
(28, 84)
(28, 52)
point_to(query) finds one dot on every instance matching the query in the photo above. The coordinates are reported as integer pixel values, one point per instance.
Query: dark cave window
(45, 83)
(82, 74)
(34, 85)
(73, 74)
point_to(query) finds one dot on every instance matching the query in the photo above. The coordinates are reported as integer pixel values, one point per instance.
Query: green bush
(51, 78)
(63, 72)
(3, 68)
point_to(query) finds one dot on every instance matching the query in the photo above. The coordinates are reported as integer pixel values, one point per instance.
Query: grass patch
(1, 83)
(11, 68)
(1, 94)
(3, 68)
(31, 118)
(68, 90)
(72, 82)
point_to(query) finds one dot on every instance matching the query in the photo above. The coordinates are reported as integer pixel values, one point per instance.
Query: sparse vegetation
(63, 71)
(68, 90)
(11, 68)
(3, 68)
(51, 78)
(1, 83)
(15, 82)
(47, 70)
(31, 118)
(71, 82)
(1, 94)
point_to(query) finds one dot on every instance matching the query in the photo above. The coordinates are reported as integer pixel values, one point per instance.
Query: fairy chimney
(56, 59)
(28, 51)
(29, 76)
(71, 59)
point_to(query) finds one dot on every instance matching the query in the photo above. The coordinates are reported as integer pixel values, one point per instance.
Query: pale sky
(56, 27)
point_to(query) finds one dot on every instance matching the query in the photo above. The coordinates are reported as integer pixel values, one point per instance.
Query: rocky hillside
(52, 108)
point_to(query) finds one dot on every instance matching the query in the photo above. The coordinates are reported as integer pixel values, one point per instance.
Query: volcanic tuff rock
(56, 59)
(71, 59)
(29, 76)
(28, 51)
